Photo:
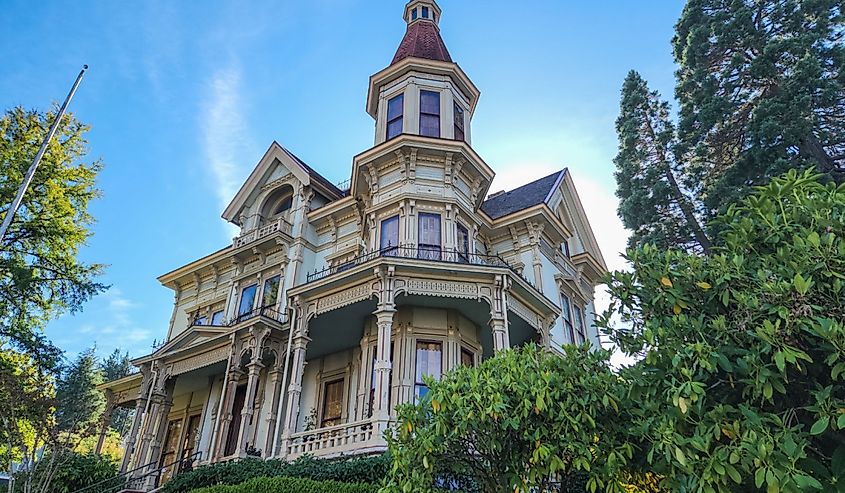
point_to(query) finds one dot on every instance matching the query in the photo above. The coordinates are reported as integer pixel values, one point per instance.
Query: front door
(235, 425)
(168, 461)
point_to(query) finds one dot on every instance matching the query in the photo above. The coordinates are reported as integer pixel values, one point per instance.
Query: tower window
(394, 116)
(430, 113)
(459, 122)
(414, 15)
(425, 12)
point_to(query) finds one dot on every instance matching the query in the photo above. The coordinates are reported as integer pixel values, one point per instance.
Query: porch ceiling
(337, 330)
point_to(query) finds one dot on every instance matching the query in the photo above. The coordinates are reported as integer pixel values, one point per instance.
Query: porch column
(226, 416)
(166, 402)
(254, 368)
(106, 421)
(298, 345)
(384, 324)
(132, 438)
(499, 314)
(275, 401)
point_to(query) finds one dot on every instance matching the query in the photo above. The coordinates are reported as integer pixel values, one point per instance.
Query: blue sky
(185, 97)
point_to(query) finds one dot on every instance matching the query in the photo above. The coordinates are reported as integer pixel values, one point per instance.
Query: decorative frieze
(450, 289)
(343, 298)
(199, 361)
(524, 312)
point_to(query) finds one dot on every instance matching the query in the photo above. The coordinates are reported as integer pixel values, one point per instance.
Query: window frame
(463, 250)
(241, 311)
(324, 384)
(388, 249)
(429, 251)
(214, 314)
(397, 118)
(458, 116)
(580, 323)
(418, 383)
(466, 351)
(264, 284)
(435, 116)
(566, 316)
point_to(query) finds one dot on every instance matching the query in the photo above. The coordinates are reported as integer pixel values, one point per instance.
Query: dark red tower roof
(422, 40)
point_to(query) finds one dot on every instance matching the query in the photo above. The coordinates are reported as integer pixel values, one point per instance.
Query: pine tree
(115, 366)
(652, 203)
(80, 405)
(761, 88)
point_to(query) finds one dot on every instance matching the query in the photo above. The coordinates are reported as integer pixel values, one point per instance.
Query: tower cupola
(418, 10)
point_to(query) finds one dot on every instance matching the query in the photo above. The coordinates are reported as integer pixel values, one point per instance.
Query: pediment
(275, 168)
(195, 336)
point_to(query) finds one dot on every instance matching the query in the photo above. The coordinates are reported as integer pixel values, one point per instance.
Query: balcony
(358, 437)
(266, 312)
(431, 254)
(256, 234)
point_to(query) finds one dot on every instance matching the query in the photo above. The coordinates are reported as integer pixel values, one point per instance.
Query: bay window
(459, 122)
(389, 240)
(429, 361)
(394, 116)
(463, 244)
(247, 299)
(270, 295)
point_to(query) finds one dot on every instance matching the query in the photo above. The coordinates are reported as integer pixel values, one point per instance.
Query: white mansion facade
(332, 302)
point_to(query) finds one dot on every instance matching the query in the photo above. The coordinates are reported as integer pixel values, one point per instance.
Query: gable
(567, 205)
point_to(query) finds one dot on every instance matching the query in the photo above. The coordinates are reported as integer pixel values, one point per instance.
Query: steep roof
(422, 40)
(317, 176)
(534, 193)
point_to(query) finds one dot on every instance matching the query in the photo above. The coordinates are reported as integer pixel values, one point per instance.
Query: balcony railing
(353, 437)
(432, 254)
(265, 311)
(255, 234)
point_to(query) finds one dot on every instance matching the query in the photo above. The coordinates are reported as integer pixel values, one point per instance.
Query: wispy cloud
(224, 134)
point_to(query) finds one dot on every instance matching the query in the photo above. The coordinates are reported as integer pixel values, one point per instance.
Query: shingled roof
(317, 176)
(534, 193)
(422, 40)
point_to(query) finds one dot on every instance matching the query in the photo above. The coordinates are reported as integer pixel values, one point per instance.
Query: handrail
(266, 311)
(128, 475)
(428, 253)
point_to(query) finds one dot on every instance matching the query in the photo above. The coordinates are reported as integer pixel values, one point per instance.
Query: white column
(253, 371)
(384, 325)
(499, 314)
(299, 344)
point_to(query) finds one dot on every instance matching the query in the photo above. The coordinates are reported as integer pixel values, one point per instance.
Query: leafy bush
(741, 385)
(350, 470)
(74, 471)
(523, 420)
(290, 485)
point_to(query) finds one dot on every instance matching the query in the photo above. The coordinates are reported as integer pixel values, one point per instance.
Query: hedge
(349, 470)
(290, 485)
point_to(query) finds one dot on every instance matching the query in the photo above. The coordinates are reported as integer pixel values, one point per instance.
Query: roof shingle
(521, 198)
(422, 40)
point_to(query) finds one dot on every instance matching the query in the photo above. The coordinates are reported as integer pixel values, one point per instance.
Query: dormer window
(459, 122)
(430, 113)
(283, 205)
(279, 202)
(394, 116)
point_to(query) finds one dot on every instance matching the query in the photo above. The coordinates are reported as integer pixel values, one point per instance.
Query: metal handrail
(128, 475)
(266, 311)
(428, 253)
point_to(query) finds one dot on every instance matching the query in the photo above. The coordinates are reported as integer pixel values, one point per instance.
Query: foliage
(115, 366)
(355, 470)
(515, 423)
(741, 383)
(40, 275)
(26, 406)
(80, 404)
(651, 202)
(761, 91)
(290, 485)
(76, 471)
(112, 445)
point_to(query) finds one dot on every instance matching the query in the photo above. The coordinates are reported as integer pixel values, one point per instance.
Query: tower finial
(422, 10)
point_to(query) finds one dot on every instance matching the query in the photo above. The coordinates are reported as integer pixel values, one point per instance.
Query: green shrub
(75, 471)
(290, 485)
(349, 470)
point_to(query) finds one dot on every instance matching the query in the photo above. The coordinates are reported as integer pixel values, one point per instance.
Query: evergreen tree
(652, 203)
(115, 366)
(40, 274)
(79, 404)
(761, 88)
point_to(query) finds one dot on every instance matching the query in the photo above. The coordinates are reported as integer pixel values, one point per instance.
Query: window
(425, 12)
(283, 205)
(429, 363)
(566, 249)
(389, 241)
(217, 318)
(270, 295)
(467, 358)
(459, 122)
(579, 324)
(429, 234)
(463, 244)
(430, 113)
(247, 299)
(566, 314)
(200, 319)
(414, 15)
(332, 403)
(394, 115)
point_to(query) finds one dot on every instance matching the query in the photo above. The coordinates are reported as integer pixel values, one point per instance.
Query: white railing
(350, 438)
(256, 234)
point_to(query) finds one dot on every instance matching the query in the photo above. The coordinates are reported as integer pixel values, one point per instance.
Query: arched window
(279, 202)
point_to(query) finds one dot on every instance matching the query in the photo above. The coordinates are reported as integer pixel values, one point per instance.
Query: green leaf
(820, 425)
(680, 456)
(813, 239)
(733, 473)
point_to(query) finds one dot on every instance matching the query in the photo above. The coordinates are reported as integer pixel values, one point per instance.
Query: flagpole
(13, 208)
